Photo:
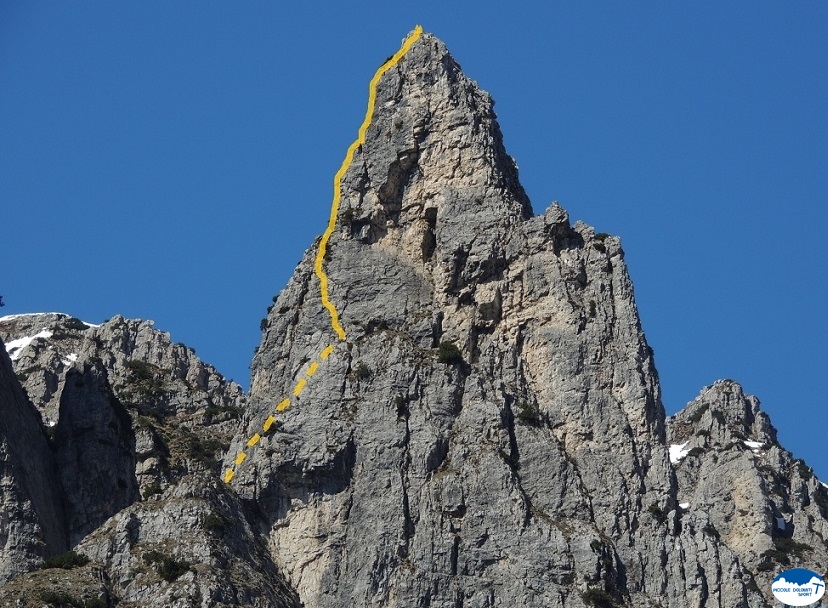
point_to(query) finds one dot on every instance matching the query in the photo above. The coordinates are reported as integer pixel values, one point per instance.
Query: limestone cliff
(487, 432)
(31, 514)
(136, 425)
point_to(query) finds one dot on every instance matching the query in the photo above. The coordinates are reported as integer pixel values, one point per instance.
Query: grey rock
(95, 451)
(489, 433)
(747, 492)
(31, 515)
(520, 476)
(135, 438)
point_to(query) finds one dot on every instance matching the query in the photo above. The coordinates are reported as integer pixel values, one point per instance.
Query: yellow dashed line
(337, 185)
(300, 386)
(323, 244)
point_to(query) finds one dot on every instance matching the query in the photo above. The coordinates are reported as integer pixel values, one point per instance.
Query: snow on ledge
(684, 505)
(15, 347)
(677, 452)
(753, 445)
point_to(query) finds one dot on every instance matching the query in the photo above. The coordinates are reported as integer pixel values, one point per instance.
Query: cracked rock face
(523, 465)
(531, 468)
(743, 490)
(31, 516)
(117, 458)
(490, 432)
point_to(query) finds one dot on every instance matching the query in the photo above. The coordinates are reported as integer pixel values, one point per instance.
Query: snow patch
(780, 523)
(684, 505)
(753, 445)
(15, 347)
(677, 452)
(824, 484)
(70, 359)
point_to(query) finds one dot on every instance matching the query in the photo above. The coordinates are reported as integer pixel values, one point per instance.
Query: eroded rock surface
(136, 425)
(531, 469)
(31, 514)
(489, 433)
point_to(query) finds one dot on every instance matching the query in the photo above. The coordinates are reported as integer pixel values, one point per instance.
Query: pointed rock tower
(475, 419)
(491, 425)
(453, 406)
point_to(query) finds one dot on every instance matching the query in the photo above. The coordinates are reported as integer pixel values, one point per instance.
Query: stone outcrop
(452, 478)
(136, 425)
(489, 432)
(742, 489)
(531, 468)
(31, 514)
(94, 451)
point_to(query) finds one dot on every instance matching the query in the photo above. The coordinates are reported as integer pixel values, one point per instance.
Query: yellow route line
(337, 182)
(323, 246)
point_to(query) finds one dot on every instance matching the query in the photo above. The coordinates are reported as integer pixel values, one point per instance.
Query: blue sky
(172, 161)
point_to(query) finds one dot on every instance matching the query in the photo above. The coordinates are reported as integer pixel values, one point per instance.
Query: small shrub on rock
(449, 354)
(362, 371)
(598, 597)
(528, 413)
(67, 561)
(153, 490)
(167, 567)
(203, 450)
(59, 599)
(657, 512)
(141, 370)
(170, 569)
(214, 522)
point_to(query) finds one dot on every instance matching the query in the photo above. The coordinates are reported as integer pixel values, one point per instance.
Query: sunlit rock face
(488, 433)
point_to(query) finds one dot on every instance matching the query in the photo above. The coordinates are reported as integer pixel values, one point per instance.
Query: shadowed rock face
(95, 451)
(31, 513)
(489, 434)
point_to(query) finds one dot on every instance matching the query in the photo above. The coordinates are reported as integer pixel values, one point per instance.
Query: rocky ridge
(136, 425)
(490, 433)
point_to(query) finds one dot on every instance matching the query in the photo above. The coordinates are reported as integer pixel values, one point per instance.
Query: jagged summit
(433, 152)
(495, 393)
(487, 432)
(492, 428)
